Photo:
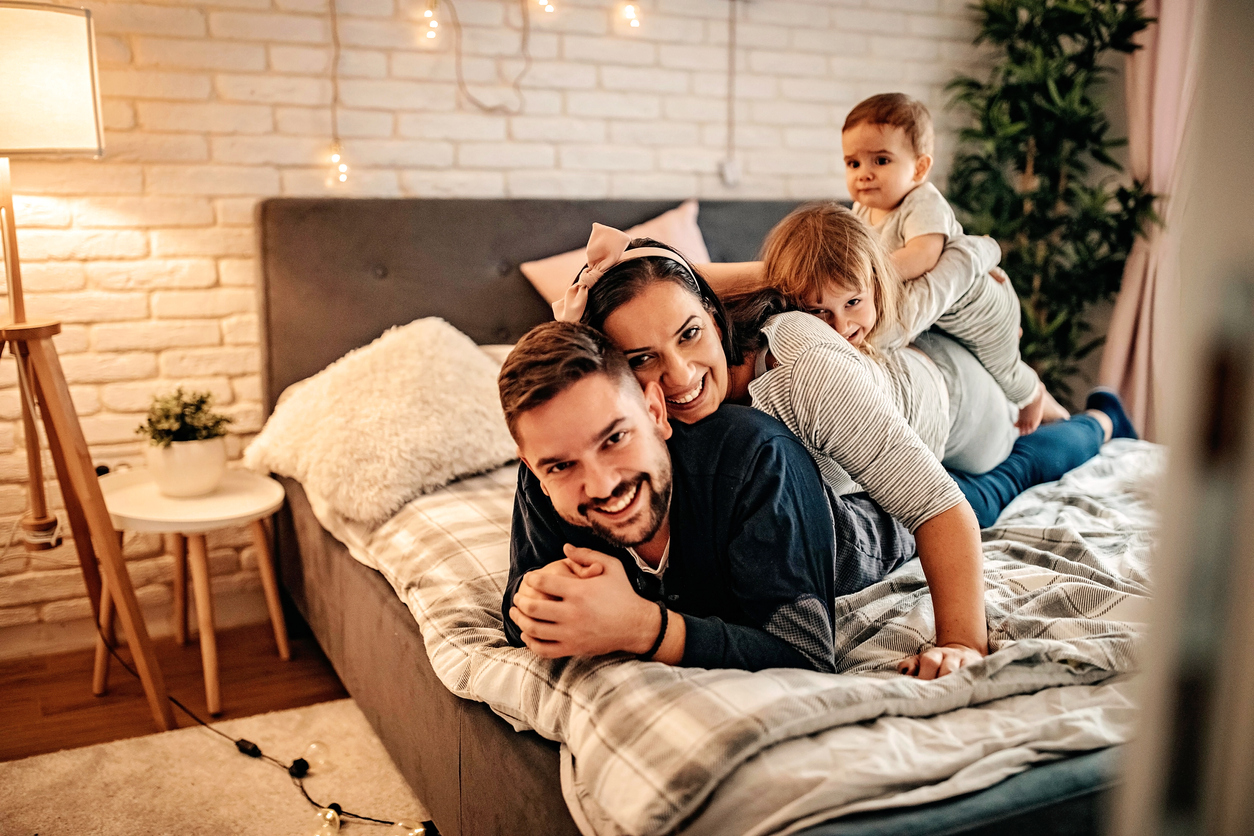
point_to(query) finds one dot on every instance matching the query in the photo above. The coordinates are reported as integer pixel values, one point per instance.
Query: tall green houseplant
(1034, 168)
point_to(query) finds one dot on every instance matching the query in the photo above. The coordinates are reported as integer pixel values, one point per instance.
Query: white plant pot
(188, 468)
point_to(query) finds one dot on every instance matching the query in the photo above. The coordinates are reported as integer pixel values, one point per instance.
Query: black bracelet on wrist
(661, 635)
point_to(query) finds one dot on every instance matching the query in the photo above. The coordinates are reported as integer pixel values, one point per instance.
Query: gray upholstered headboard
(336, 273)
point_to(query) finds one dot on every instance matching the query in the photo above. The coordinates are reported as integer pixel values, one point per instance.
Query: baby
(887, 144)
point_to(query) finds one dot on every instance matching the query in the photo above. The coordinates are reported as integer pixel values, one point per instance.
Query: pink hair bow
(606, 246)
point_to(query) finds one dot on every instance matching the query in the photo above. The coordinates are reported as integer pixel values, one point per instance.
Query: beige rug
(190, 781)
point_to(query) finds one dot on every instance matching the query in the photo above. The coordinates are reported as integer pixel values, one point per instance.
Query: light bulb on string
(432, 22)
(318, 756)
(403, 829)
(339, 170)
(546, 5)
(326, 822)
(632, 13)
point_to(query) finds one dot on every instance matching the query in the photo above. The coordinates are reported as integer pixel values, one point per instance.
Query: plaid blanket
(645, 744)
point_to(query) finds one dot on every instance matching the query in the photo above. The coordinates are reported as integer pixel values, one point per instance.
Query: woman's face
(670, 338)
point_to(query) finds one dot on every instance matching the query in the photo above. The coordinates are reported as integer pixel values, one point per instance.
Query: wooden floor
(46, 702)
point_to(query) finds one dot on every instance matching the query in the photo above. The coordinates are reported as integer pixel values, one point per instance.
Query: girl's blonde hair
(821, 245)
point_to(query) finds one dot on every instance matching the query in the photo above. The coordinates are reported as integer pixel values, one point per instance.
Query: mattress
(1081, 543)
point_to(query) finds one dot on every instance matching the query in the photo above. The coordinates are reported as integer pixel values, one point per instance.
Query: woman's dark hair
(748, 314)
(624, 282)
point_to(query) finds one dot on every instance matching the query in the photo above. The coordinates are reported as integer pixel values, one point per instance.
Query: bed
(337, 273)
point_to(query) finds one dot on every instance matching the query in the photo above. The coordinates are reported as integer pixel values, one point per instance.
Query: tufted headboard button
(379, 271)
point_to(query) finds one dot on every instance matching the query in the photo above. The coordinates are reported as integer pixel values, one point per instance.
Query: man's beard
(654, 513)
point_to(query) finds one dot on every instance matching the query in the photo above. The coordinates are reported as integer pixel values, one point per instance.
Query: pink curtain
(1160, 84)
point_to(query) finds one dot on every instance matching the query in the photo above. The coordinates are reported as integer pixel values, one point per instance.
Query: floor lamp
(50, 104)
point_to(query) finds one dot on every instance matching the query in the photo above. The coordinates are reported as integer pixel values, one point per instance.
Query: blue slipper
(1105, 400)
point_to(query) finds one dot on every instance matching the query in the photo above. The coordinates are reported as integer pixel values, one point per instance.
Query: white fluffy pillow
(414, 410)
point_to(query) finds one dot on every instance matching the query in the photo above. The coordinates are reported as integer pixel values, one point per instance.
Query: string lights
(339, 170)
(548, 7)
(337, 157)
(329, 818)
(631, 12)
(433, 22)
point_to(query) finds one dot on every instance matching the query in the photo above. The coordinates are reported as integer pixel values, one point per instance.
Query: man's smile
(617, 506)
(620, 507)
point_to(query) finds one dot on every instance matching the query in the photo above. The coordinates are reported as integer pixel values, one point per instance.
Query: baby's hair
(820, 245)
(899, 111)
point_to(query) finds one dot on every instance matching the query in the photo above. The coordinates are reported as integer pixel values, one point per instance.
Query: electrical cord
(731, 80)
(516, 84)
(297, 769)
(335, 74)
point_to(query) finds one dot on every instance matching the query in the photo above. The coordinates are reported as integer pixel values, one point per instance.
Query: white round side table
(243, 498)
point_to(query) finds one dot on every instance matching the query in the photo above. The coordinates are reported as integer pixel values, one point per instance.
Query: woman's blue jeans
(1043, 456)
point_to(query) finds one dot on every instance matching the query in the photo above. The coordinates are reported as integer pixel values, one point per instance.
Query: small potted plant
(187, 453)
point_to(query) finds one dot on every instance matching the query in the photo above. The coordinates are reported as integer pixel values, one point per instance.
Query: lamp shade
(49, 96)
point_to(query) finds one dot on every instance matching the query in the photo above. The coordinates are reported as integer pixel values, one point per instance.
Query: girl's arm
(733, 278)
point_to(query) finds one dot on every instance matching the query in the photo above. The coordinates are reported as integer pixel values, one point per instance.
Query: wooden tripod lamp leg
(73, 511)
(106, 638)
(100, 672)
(59, 412)
(38, 524)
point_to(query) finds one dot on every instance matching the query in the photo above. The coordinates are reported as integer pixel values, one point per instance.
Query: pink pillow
(676, 228)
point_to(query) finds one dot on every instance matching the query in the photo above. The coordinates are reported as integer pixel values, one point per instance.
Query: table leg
(180, 588)
(100, 673)
(270, 583)
(198, 557)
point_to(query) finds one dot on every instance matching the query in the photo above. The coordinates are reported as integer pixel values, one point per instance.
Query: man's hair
(899, 111)
(822, 245)
(551, 358)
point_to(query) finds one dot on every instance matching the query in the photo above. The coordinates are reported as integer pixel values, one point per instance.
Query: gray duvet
(646, 747)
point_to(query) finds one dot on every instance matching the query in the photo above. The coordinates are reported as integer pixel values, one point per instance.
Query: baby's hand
(999, 275)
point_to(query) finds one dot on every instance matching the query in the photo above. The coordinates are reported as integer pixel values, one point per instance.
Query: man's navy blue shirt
(752, 545)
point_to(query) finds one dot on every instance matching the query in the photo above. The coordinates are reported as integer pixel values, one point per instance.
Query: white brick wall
(148, 255)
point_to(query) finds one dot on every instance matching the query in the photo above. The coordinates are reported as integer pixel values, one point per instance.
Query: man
(708, 545)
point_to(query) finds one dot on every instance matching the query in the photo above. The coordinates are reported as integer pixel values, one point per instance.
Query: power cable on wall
(524, 48)
(729, 168)
(340, 171)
